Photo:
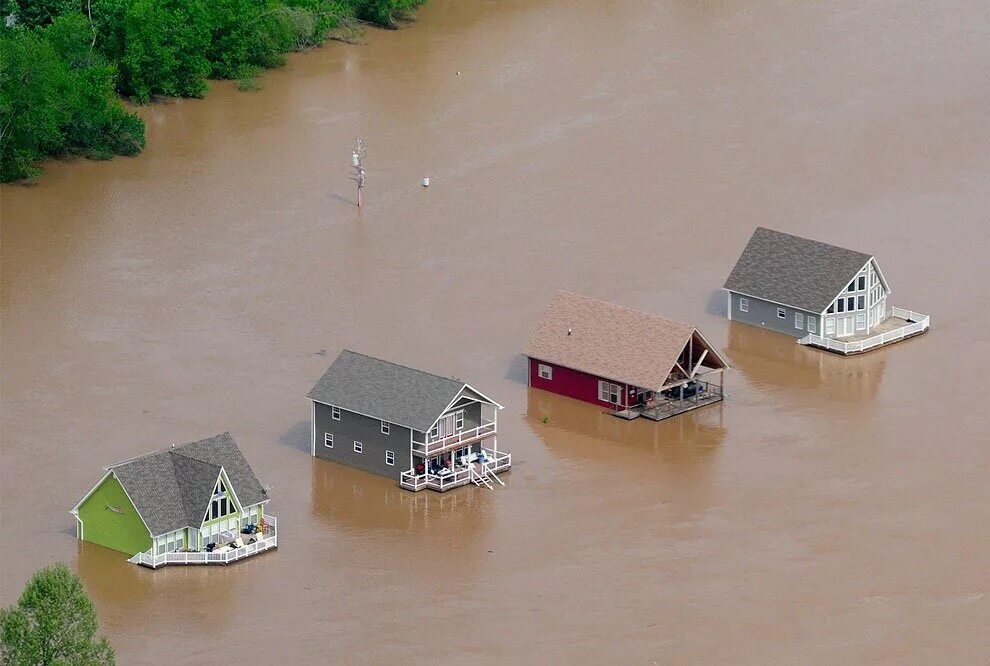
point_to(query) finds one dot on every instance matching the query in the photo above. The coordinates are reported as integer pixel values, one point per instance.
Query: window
(459, 421)
(608, 392)
(358, 447)
(840, 305)
(829, 327)
(385, 427)
(798, 320)
(335, 413)
(861, 303)
(811, 324)
(220, 508)
(782, 313)
(434, 432)
(862, 282)
(831, 308)
(389, 458)
(851, 303)
(546, 372)
(861, 320)
(744, 305)
(852, 286)
(328, 440)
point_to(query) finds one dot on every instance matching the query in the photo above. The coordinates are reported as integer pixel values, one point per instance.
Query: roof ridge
(815, 240)
(405, 367)
(626, 307)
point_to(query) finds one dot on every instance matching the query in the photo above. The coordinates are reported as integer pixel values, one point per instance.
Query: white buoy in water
(426, 181)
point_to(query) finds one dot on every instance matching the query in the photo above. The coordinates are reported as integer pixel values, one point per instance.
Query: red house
(629, 362)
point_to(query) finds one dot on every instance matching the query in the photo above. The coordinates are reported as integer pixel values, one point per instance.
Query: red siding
(572, 383)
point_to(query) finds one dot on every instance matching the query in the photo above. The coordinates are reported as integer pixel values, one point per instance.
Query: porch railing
(497, 461)
(918, 323)
(426, 448)
(268, 541)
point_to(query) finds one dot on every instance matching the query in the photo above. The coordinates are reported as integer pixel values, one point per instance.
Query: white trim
(358, 447)
(334, 409)
(387, 454)
(313, 443)
(711, 348)
(385, 427)
(728, 304)
(781, 313)
(75, 509)
(454, 401)
(238, 507)
(743, 303)
(549, 370)
(328, 445)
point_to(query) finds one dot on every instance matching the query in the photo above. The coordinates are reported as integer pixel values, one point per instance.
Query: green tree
(53, 623)
(163, 49)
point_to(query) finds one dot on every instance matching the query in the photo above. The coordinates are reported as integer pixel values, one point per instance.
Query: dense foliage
(64, 62)
(52, 623)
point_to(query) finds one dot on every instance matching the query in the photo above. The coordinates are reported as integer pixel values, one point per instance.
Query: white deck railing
(426, 448)
(268, 541)
(497, 461)
(919, 323)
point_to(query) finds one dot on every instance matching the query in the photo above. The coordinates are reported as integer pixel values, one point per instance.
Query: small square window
(389, 458)
(335, 413)
(328, 440)
(861, 303)
(782, 313)
(546, 372)
(358, 447)
(385, 427)
(744, 305)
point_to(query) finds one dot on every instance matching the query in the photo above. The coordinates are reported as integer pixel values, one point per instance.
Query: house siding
(355, 427)
(764, 314)
(125, 531)
(572, 383)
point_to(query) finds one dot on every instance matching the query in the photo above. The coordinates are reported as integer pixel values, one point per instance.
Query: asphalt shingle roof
(790, 270)
(172, 488)
(610, 341)
(385, 390)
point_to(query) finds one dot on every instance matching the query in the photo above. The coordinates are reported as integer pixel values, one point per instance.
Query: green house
(198, 503)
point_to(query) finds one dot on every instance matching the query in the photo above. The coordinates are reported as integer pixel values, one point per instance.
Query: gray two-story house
(825, 295)
(420, 429)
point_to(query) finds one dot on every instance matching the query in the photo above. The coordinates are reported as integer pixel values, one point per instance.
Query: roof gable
(384, 390)
(790, 270)
(171, 489)
(608, 340)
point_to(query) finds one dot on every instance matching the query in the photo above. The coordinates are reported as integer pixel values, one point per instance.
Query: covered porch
(455, 468)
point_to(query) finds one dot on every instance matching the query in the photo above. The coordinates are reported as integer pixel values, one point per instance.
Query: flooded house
(628, 362)
(420, 429)
(198, 503)
(824, 295)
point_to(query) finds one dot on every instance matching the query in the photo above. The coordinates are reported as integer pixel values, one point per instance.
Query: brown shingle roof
(608, 340)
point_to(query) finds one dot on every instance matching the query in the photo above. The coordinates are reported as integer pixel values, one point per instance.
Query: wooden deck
(899, 325)
(658, 410)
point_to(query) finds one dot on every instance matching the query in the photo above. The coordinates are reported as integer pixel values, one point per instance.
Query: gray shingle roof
(172, 489)
(384, 390)
(794, 271)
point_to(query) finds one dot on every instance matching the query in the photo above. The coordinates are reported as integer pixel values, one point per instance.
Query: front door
(845, 326)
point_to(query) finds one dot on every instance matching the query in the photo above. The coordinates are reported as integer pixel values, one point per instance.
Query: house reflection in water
(773, 362)
(670, 462)
(358, 503)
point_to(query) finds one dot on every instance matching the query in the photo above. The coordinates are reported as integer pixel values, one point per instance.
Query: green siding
(124, 531)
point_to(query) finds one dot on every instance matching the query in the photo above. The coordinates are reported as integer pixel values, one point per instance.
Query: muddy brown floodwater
(829, 511)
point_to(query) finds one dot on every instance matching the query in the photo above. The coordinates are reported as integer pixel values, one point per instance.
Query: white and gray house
(824, 295)
(420, 429)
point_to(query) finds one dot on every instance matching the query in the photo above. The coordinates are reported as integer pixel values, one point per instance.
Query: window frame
(386, 427)
(812, 327)
(861, 283)
(850, 304)
(781, 313)
(607, 391)
(328, 440)
(545, 372)
(861, 302)
(459, 420)
(334, 413)
(743, 304)
(358, 447)
(390, 458)
(799, 321)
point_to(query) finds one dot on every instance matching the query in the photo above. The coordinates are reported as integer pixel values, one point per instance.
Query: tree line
(64, 64)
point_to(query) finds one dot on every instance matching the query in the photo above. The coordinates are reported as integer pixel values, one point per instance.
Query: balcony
(455, 441)
(225, 554)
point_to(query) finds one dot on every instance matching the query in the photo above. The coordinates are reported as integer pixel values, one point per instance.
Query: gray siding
(472, 413)
(764, 314)
(354, 427)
